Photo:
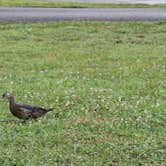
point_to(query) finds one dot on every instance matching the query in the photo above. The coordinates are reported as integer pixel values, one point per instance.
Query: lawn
(106, 81)
(38, 3)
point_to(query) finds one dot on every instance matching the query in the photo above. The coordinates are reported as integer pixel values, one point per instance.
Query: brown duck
(24, 111)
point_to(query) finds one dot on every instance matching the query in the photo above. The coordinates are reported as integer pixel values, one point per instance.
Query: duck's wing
(22, 111)
(29, 108)
(32, 111)
(25, 108)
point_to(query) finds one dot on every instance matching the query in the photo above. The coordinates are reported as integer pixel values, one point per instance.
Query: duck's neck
(11, 100)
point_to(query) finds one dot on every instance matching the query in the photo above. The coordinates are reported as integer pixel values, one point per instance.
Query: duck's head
(7, 96)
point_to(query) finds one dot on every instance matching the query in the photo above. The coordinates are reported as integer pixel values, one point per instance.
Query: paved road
(56, 14)
(112, 1)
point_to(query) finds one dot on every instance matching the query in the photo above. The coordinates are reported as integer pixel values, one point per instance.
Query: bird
(24, 111)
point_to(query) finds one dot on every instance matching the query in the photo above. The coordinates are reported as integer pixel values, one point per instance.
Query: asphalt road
(112, 1)
(56, 14)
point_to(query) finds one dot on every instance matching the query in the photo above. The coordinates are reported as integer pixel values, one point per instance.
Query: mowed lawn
(106, 81)
(51, 3)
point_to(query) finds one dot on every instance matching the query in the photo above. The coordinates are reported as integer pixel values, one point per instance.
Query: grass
(106, 82)
(33, 3)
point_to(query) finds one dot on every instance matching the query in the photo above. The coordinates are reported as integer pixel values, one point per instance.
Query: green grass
(106, 82)
(33, 3)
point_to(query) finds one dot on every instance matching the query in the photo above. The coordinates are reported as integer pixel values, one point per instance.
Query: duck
(24, 111)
